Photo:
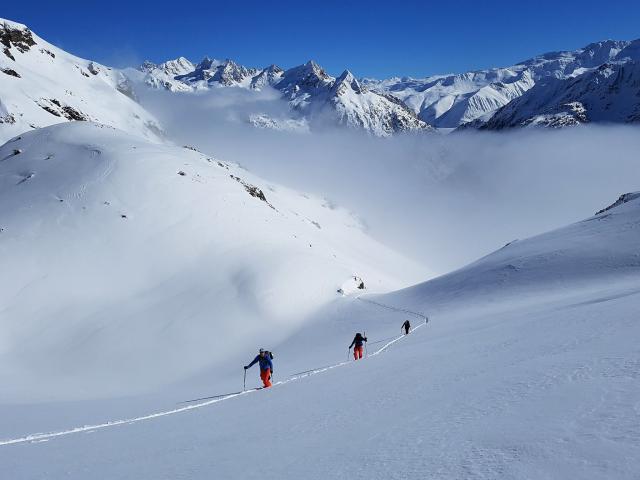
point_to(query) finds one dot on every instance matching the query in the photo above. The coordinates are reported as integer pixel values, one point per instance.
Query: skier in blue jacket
(266, 366)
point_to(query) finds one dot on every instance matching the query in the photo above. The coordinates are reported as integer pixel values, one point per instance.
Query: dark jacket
(265, 362)
(358, 340)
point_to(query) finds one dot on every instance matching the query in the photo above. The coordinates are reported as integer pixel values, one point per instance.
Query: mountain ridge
(42, 85)
(448, 101)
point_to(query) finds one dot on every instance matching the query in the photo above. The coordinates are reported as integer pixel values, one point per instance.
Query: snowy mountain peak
(209, 71)
(307, 77)
(178, 66)
(15, 36)
(273, 68)
(312, 66)
(268, 76)
(206, 63)
(147, 66)
(230, 73)
(346, 81)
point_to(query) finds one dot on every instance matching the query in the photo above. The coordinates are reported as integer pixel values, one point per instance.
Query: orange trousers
(357, 352)
(265, 376)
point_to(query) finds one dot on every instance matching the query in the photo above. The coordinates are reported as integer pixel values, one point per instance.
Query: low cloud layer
(443, 200)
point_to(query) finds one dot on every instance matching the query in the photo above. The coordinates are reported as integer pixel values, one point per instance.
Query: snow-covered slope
(607, 94)
(448, 101)
(601, 249)
(528, 368)
(41, 85)
(135, 264)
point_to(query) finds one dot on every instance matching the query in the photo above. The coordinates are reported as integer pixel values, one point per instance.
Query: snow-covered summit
(178, 66)
(306, 78)
(346, 82)
(164, 74)
(226, 73)
(267, 77)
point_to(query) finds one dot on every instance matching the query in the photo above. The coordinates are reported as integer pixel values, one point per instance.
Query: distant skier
(358, 341)
(266, 366)
(406, 326)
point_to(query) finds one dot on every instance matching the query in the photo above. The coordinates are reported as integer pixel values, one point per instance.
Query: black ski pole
(244, 385)
(365, 345)
(349, 354)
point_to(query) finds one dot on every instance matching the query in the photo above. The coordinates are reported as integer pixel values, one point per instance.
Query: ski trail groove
(395, 309)
(43, 437)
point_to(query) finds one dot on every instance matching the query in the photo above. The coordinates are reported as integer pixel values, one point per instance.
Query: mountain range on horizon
(598, 83)
(579, 79)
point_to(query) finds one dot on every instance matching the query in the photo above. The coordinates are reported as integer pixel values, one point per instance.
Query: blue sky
(415, 38)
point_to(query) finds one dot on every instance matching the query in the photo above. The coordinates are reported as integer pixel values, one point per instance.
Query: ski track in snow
(43, 437)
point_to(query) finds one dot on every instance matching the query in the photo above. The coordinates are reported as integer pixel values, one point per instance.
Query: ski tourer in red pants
(357, 344)
(266, 367)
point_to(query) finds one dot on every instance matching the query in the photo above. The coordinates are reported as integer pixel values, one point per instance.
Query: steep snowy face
(346, 83)
(381, 114)
(144, 261)
(452, 100)
(41, 85)
(269, 76)
(306, 79)
(607, 94)
(312, 92)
